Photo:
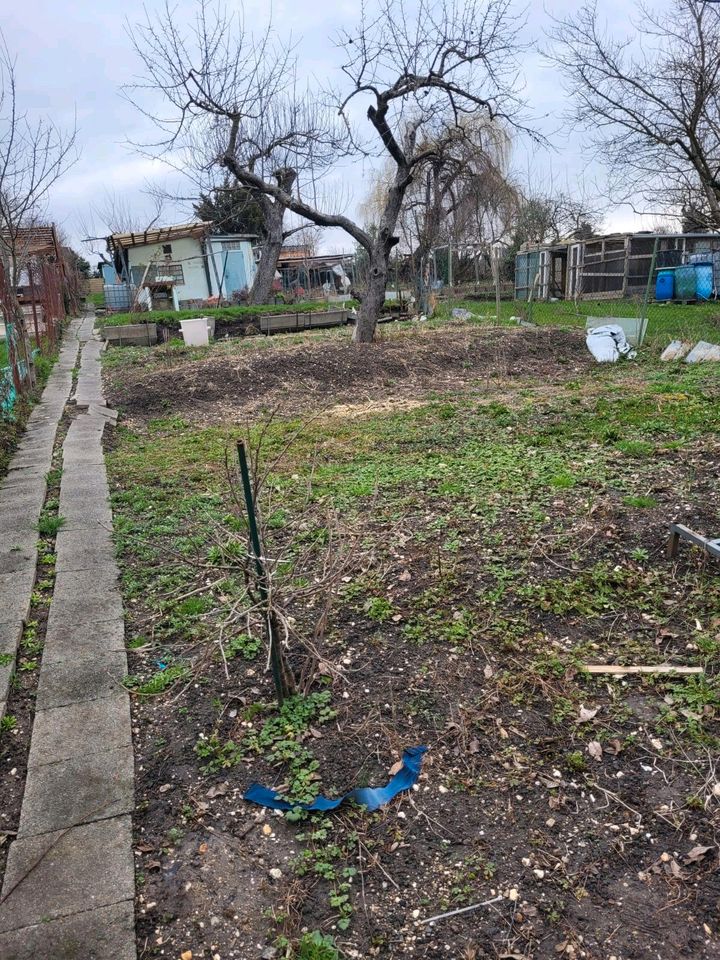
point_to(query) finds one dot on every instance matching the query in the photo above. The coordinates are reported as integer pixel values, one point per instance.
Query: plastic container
(704, 280)
(195, 332)
(685, 288)
(665, 285)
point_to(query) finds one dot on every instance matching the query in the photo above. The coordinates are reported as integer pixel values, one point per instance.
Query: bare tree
(114, 213)
(461, 195)
(549, 216)
(652, 100)
(284, 138)
(34, 154)
(405, 66)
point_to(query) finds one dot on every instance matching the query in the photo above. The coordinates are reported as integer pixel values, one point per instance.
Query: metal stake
(276, 658)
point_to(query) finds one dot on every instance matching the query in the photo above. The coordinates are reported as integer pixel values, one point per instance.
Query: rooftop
(153, 235)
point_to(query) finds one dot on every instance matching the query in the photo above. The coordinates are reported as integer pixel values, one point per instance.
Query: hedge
(171, 318)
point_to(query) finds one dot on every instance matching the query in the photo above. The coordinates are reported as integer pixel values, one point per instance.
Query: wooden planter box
(289, 322)
(131, 335)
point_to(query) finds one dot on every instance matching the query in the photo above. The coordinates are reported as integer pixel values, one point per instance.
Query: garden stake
(279, 670)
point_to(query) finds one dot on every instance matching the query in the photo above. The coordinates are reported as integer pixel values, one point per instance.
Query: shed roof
(151, 236)
(36, 241)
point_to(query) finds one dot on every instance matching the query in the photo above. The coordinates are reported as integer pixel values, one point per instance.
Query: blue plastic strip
(370, 797)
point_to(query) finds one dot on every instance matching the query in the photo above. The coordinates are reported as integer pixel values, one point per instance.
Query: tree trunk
(270, 251)
(274, 219)
(374, 295)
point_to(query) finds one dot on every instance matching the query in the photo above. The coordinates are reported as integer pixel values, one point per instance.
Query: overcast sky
(73, 56)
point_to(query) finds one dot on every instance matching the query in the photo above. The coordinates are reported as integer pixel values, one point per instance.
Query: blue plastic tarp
(370, 797)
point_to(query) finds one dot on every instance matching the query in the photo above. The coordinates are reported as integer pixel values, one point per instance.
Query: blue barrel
(685, 288)
(664, 285)
(704, 280)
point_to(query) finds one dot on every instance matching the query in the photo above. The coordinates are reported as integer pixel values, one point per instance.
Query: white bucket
(195, 332)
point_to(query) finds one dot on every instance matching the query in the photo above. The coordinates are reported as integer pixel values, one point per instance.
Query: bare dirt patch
(298, 379)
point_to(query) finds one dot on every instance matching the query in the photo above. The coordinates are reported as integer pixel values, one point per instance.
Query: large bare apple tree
(403, 67)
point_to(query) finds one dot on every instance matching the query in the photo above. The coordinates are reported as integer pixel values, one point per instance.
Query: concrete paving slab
(85, 458)
(80, 729)
(15, 590)
(20, 556)
(66, 639)
(16, 518)
(25, 500)
(89, 609)
(10, 635)
(28, 489)
(94, 498)
(87, 867)
(81, 679)
(107, 933)
(18, 475)
(87, 788)
(81, 482)
(85, 585)
(6, 675)
(84, 550)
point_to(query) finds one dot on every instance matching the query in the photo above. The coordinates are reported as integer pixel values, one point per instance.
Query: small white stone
(275, 873)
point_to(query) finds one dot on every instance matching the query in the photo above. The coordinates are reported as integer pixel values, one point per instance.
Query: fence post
(648, 286)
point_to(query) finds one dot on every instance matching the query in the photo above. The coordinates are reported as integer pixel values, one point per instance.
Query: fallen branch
(454, 913)
(616, 669)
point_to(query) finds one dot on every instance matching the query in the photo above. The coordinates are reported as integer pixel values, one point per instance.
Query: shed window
(167, 249)
(168, 271)
(231, 244)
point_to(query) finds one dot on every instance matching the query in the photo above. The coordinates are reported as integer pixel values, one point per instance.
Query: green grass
(172, 318)
(98, 299)
(3, 354)
(697, 321)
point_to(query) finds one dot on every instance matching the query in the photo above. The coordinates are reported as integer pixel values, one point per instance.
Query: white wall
(186, 252)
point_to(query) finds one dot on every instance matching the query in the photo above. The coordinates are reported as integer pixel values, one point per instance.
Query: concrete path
(69, 885)
(22, 495)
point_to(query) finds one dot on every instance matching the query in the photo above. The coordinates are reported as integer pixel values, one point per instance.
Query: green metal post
(275, 656)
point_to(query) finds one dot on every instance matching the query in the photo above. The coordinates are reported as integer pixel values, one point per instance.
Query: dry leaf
(395, 768)
(697, 853)
(503, 732)
(587, 713)
(165, 787)
(488, 671)
(267, 829)
(474, 746)
(186, 955)
(219, 790)
(594, 748)
(203, 848)
(405, 576)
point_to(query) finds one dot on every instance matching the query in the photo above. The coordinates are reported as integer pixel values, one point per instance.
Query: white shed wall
(188, 253)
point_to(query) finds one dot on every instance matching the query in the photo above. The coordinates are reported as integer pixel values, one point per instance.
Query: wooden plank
(617, 670)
